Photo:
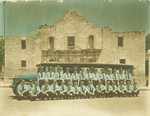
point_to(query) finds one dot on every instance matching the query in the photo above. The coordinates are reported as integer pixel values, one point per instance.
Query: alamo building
(73, 39)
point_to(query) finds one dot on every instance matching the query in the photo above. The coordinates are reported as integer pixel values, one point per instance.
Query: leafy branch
(40, 26)
(2, 41)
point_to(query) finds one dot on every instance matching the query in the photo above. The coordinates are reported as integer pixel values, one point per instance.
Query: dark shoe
(32, 99)
(19, 98)
(40, 99)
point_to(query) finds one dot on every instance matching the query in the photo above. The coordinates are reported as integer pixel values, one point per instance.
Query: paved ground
(134, 106)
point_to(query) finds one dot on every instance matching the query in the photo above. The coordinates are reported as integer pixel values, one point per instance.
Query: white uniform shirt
(50, 75)
(89, 77)
(41, 76)
(95, 76)
(75, 76)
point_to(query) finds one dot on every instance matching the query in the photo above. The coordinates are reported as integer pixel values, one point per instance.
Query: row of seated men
(85, 77)
(33, 91)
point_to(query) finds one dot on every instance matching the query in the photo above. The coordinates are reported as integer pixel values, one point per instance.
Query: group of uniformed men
(58, 85)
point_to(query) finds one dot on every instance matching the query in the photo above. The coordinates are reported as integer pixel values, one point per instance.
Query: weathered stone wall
(72, 24)
(14, 54)
(133, 51)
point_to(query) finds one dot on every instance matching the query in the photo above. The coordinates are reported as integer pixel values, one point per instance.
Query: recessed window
(122, 61)
(51, 42)
(23, 44)
(71, 42)
(23, 63)
(120, 41)
(91, 41)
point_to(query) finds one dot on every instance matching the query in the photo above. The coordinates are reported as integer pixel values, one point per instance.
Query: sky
(23, 18)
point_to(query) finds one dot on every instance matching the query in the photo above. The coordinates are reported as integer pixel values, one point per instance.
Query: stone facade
(105, 50)
(133, 51)
(14, 54)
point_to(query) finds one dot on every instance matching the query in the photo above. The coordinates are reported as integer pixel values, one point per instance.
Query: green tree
(1, 50)
(40, 26)
(146, 67)
(147, 42)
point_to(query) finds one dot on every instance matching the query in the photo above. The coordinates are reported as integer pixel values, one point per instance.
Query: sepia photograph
(74, 57)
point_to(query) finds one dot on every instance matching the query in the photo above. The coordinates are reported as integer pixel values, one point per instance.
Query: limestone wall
(133, 51)
(14, 54)
(72, 24)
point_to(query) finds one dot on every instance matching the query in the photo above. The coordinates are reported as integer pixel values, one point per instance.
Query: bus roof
(95, 64)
